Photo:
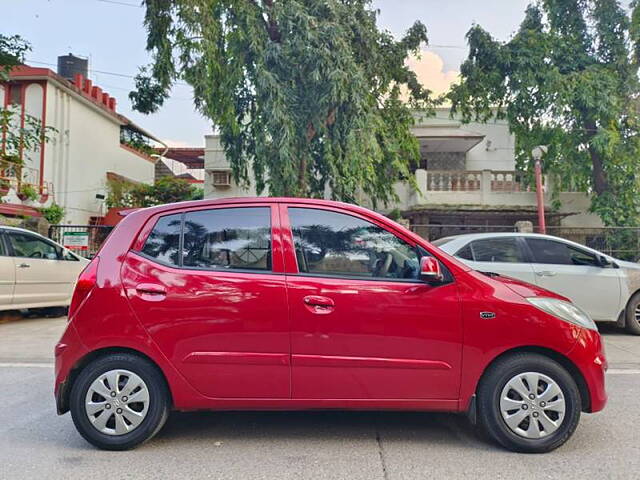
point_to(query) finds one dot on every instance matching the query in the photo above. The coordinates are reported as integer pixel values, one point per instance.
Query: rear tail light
(84, 285)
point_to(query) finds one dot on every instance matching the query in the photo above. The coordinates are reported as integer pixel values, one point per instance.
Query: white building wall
(495, 152)
(78, 157)
(215, 160)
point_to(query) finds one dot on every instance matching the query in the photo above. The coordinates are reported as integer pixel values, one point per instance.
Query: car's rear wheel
(528, 403)
(119, 401)
(632, 323)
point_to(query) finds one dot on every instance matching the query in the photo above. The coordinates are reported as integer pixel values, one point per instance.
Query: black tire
(490, 391)
(632, 325)
(158, 405)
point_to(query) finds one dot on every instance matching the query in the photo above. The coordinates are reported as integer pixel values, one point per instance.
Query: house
(181, 162)
(467, 180)
(91, 143)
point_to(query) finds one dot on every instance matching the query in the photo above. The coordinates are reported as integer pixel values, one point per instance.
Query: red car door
(363, 325)
(209, 287)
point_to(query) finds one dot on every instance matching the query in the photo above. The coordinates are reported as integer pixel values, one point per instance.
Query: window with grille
(221, 178)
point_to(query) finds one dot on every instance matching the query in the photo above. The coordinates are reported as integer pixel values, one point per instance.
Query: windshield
(442, 241)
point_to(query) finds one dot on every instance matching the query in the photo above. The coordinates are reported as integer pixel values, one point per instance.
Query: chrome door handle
(546, 273)
(24, 265)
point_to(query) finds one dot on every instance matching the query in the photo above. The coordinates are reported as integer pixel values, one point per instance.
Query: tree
(12, 51)
(305, 93)
(566, 79)
(127, 194)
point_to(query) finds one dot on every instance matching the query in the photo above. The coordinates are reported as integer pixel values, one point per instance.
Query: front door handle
(546, 273)
(318, 304)
(24, 265)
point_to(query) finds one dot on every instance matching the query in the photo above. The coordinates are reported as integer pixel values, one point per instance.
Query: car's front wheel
(528, 403)
(119, 401)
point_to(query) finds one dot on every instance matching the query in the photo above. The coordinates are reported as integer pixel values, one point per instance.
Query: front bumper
(589, 356)
(68, 353)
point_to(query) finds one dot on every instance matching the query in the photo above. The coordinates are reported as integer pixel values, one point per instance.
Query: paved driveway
(35, 443)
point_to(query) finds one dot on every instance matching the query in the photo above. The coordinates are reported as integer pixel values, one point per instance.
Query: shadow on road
(431, 428)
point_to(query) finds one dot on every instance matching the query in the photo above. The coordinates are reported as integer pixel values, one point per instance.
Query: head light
(564, 311)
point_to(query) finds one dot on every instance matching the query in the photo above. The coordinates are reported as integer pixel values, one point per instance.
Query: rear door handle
(151, 289)
(546, 273)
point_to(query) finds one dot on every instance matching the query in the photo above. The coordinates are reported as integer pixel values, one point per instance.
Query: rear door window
(228, 238)
(163, 243)
(223, 238)
(499, 249)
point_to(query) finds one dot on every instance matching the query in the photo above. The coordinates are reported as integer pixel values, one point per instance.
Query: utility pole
(537, 154)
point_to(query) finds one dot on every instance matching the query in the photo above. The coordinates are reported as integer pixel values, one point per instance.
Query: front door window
(334, 244)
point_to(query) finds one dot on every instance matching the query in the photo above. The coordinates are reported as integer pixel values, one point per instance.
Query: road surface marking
(25, 365)
(623, 371)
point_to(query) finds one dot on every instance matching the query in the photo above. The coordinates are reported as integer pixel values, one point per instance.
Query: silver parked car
(35, 272)
(606, 288)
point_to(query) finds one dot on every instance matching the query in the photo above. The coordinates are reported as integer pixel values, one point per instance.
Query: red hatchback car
(278, 303)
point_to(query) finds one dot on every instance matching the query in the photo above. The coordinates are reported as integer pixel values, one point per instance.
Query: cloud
(430, 71)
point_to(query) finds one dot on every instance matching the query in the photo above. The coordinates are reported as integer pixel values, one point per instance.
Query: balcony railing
(14, 176)
(453, 181)
(502, 181)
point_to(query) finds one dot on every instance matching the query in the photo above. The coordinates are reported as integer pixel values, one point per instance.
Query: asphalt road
(36, 443)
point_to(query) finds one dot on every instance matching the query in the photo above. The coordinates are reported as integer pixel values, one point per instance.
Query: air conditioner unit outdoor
(221, 178)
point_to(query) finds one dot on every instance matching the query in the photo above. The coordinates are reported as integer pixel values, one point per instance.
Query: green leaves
(12, 51)
(567, 79)
(126, 194)
(305, 93)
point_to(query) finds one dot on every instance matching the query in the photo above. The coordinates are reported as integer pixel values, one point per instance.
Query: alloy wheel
(532, 405)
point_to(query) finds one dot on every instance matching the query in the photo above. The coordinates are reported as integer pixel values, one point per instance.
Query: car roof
(18, 229)
(458, 241)
(312, 202)
(24, 230)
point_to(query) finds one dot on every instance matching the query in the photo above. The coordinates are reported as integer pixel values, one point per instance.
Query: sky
(111, 35)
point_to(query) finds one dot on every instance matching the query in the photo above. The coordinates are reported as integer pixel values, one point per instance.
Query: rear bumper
(68, 352)
(589, 356)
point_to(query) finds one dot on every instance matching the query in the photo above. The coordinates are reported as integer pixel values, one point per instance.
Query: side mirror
(606, 262)
(430, 270)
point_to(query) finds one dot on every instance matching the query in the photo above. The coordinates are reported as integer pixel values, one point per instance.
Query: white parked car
(35, 272)
(606, 288)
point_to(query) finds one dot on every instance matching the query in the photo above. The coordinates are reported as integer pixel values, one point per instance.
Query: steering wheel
(36, 254)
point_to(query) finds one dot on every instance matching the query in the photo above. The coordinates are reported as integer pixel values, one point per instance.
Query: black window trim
(181, 266)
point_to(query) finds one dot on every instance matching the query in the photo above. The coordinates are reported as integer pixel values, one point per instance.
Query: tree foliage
(306, 94)
(567, 79)
(12, 51)
(127, 194)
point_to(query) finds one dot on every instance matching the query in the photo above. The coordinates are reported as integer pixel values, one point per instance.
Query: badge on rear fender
(487, 315)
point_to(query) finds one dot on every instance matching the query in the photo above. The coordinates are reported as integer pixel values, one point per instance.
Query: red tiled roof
(81, 86)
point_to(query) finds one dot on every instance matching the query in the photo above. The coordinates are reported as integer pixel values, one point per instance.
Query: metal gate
(84, 240)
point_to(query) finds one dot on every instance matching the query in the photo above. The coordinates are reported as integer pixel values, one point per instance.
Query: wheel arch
(64, 392)
(622, 318)
(573, 370)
